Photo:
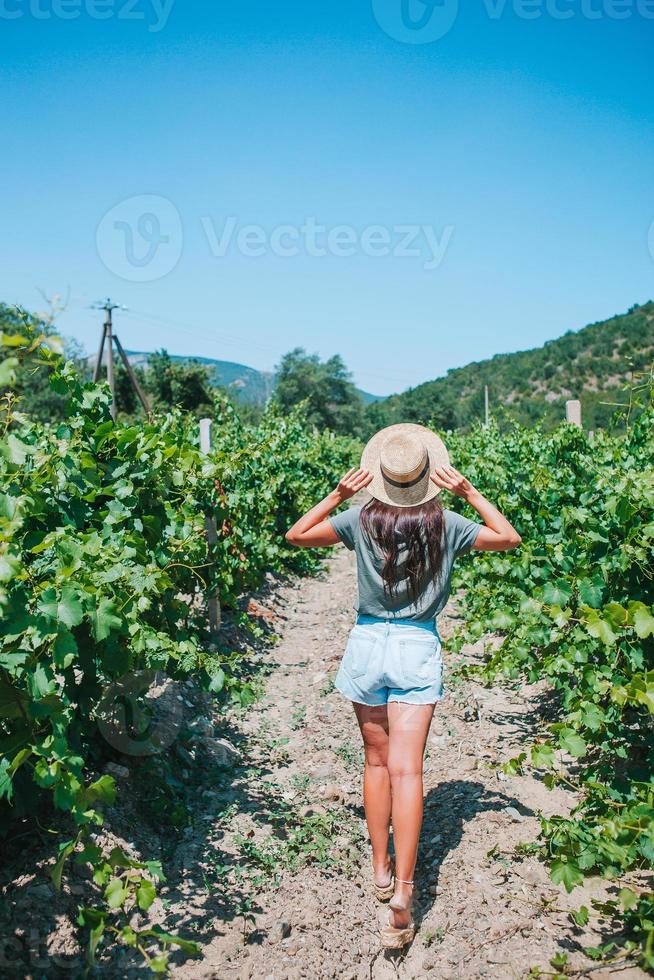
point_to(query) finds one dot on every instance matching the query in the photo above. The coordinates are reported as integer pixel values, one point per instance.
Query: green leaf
(145, 894)
(128, 936)
(14, 340)
(616, 614)
(118, 858)
(103, 789)
(19, 759)
(70, 611)
(217, 681)
(580, 916)
(560, 616)
(41, 683)
(502, 619)
(8, 371)
(592, 717)
(646, 846)
(115, 893)
(641, 618)
(90, 917)
(66, 790)
(646, 697)
(65, 649)
(155, 869)
(515, 766)
(572, 742)
(591, 591)
(65, 850)
(557, 593)
(66, 609)
(628, 899)
(542, 755)
(598, 627)
(9, 567)
(6, 783)
(187, 946)
(104, 618)
(14, 450)
(564, 872)
(95, 935)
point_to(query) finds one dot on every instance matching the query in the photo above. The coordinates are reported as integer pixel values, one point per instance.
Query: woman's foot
(383, 872)
(400, 930)
(401, 904)
(383, 882)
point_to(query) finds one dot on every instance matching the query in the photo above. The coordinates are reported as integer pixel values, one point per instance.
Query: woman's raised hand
(353, 481)
(450, 479)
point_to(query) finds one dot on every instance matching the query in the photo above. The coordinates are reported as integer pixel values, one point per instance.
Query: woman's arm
(498, 534)
(314, 530)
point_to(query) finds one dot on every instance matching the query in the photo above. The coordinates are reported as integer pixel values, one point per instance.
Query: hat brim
(419, 493)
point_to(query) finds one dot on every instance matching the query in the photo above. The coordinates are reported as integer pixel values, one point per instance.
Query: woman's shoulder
(460, 531)
(455, 520)
(346, 525)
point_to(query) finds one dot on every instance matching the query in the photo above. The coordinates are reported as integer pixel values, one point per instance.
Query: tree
(127, 401)
(184, 384)
(326, 387)
(32, 386)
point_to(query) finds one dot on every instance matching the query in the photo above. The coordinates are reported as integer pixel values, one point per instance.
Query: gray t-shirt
(460, 535)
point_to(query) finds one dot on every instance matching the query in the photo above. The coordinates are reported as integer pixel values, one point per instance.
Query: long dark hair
(410, 540)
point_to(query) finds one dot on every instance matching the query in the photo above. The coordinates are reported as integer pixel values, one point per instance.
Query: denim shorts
(391, 660)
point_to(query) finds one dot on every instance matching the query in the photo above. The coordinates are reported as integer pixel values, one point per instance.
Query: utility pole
(109, 337)
(486, 409)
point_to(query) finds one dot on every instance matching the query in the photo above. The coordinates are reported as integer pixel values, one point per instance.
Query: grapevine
(574, 607)
(102, 541)
(103, 554)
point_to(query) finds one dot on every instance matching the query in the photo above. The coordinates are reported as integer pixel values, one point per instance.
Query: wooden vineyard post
(573, 412)
(213, 602)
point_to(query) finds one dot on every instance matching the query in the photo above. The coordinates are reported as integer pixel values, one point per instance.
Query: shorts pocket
(420, 659)
(358, 652)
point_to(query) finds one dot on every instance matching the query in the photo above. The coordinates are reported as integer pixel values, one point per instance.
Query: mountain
(593, 364)
(249, 384)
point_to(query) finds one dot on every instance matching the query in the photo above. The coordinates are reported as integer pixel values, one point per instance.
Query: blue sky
(513, 155)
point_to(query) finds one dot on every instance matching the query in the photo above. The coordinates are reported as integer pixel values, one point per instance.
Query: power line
(225, 338)
(240, 341)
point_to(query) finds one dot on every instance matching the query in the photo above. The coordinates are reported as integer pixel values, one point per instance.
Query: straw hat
(401, 457)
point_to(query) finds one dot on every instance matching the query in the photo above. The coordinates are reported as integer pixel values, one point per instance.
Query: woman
(392, 670)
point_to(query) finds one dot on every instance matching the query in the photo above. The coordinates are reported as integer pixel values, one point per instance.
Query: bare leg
(373, 722)
(408, 729)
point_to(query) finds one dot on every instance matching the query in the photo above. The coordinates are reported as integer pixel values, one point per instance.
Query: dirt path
(296, 792)
(271, 875)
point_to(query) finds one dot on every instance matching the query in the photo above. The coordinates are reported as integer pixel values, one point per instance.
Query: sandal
(394, 937)
(384, 892)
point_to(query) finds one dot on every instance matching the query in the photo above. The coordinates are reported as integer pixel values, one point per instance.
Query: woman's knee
(375, 742)
(376, 748)
(376, 756)
(403, 767)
